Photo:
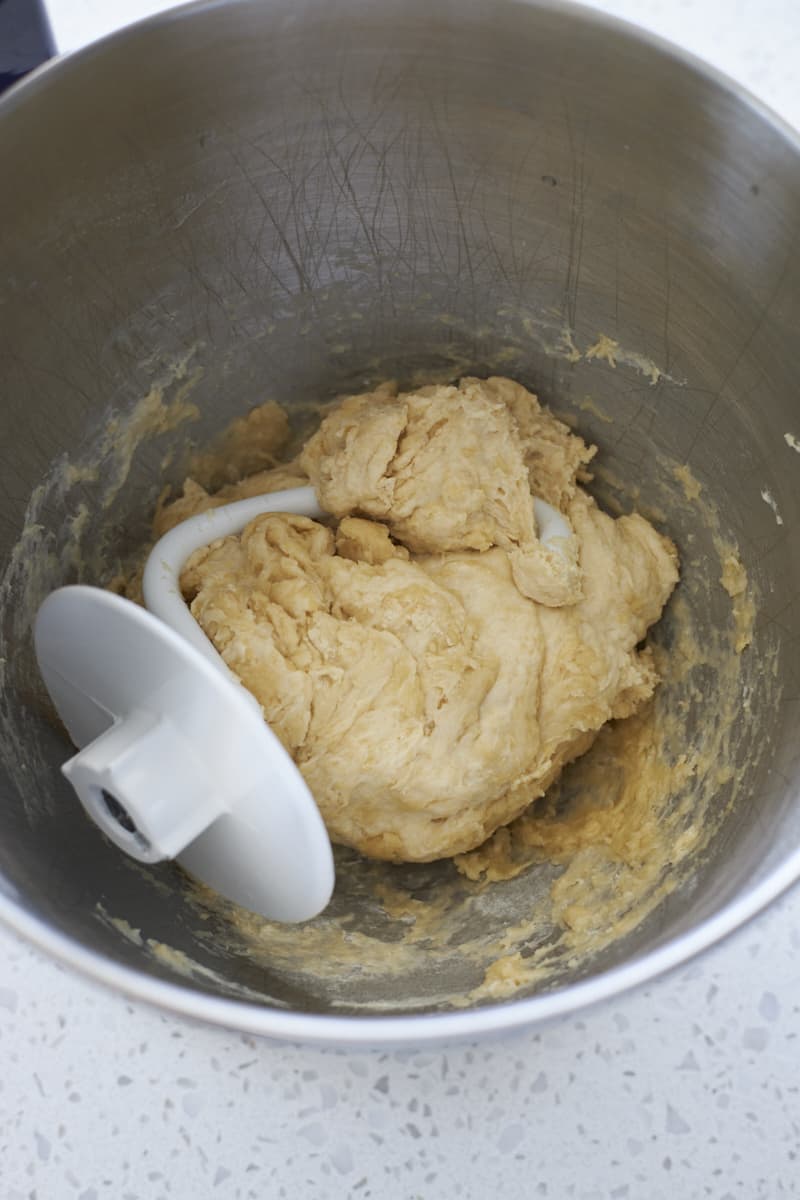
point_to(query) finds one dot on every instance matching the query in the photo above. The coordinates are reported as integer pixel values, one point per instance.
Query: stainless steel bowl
(244, 200)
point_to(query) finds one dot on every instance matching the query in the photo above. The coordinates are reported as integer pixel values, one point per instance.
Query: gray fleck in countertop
(689, 1088)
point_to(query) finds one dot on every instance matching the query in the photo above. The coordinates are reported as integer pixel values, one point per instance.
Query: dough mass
(429, 663)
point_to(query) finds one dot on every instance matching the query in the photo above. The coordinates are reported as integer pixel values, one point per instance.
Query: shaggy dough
(430, 665)
(446, 469)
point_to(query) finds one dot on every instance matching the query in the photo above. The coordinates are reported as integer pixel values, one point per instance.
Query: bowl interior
(267, 203)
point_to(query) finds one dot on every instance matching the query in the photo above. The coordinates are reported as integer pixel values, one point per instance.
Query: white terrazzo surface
(688, 1089)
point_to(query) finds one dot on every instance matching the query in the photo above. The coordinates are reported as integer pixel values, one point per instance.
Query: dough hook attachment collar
(175, 758)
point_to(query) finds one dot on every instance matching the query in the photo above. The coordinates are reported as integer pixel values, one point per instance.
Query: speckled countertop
(687, 1089)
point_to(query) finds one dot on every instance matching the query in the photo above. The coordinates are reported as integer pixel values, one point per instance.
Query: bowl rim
(411, 1029)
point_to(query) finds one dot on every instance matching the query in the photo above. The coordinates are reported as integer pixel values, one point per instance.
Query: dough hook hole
(119, 813)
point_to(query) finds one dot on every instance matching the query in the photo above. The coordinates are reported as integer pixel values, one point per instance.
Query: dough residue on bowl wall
(67, 548)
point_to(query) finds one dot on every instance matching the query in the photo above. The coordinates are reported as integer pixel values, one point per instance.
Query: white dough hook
(175, 759)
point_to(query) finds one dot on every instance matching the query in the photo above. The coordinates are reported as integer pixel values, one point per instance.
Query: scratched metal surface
(308, 197)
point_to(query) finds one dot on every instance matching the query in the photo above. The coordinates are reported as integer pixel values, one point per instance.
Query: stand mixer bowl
(292, 200)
